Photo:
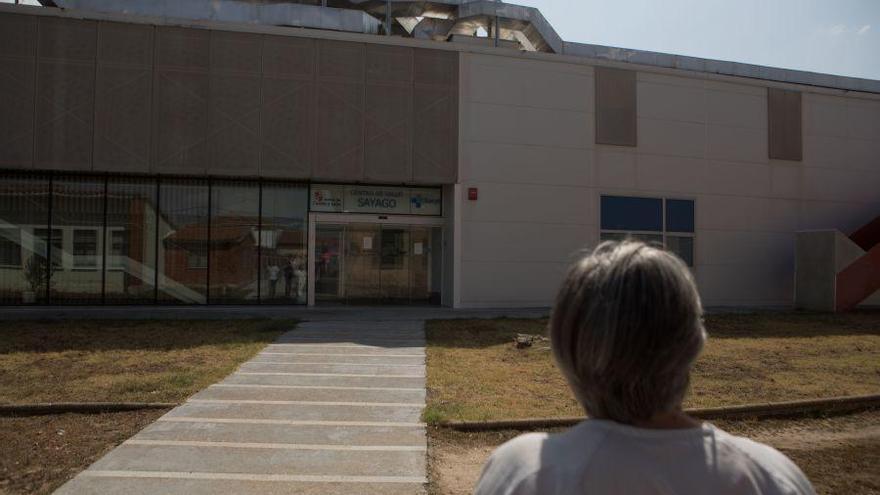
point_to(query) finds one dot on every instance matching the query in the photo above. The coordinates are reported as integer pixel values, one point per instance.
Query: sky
(839, 37)
(831, 36)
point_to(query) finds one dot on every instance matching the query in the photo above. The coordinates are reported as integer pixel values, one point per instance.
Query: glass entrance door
(369, 263)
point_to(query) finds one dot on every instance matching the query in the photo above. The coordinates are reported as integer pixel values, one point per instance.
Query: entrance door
(373, 263)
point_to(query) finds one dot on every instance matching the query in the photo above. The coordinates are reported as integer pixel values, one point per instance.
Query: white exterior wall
(527, 143)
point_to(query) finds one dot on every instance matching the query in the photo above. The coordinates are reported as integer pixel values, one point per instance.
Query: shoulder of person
(772, 462)
(511, 464)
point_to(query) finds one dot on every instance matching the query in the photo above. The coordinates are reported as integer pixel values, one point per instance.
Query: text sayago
(377, 203)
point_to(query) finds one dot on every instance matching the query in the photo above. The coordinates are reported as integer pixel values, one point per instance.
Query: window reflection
(77, 240)
(183, 235)
(24, 208)
(283, 258)
(131, 237)
(233, 260)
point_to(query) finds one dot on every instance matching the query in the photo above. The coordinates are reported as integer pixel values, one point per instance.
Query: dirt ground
(40, 453)
(840, 454)
(476, 373)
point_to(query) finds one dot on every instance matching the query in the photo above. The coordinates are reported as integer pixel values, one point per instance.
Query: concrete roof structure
(442, 20)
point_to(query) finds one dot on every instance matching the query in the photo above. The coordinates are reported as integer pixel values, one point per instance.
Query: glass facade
(77, 239)
(24, 210)
(668, 223)
(233, 254)
(143, 240)
(130, 231)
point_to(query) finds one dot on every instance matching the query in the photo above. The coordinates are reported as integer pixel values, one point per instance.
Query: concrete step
(339, 358)
(90, 485)
(415, 396)
(200, 459)
(212, 431)
(357, 369)
(299, 412)
(260, 378)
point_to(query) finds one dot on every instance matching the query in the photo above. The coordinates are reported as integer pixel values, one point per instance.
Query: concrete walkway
(331, 408)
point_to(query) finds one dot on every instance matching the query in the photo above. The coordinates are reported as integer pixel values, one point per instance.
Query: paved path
(332, 407)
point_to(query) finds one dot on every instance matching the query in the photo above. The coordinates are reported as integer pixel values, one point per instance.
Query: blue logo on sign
(416, 201)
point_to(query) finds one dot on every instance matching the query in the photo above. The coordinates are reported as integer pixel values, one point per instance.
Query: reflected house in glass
(232, 158)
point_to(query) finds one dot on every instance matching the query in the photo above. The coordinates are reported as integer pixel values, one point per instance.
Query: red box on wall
(473, 193)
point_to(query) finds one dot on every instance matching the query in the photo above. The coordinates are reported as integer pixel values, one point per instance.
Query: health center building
(454, 153)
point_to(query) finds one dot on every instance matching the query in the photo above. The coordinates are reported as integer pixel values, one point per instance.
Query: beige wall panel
(482, 241)
(123, 98)
(697, 83)
(736, 109)
(512, 163)
(743, 285)
(844, 216)
(736, 144)
(284, 56)
(825, 115)
(863, 154)
(527, 125)
(288, 131)
(388, 132)
(826, 151)
(670, 173)
(615, 169)
(234, 124)
(494, 84)
(732, 87)
(747, 179)
(864, 119)
(746, 213)
(841, 185)
(340, 149)
(727, 247)
(787, 181)
(672, 102)
(18, 41)
(530, 203)
(435, 134)
(560, 90)
(510, 284)
(666, 137)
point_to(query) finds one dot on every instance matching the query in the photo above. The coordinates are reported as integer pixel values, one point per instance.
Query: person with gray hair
(625, 331)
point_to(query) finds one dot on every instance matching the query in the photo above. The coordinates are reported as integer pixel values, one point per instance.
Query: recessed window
(10, 247)
(668, 223)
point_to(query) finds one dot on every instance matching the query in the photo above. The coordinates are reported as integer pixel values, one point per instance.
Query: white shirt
(599, 457)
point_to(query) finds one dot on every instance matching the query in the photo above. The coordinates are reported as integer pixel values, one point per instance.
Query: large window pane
(679, 215)
(683, 247)
(233, 247)
(626, 213)
(183, 237)
(283, 243)
(130, 277)
(77, 240)
(24, 207)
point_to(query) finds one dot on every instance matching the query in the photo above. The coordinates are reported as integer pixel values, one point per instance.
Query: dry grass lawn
(113, 361)
(475, 372)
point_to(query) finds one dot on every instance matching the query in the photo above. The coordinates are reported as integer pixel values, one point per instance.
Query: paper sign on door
(417, 248)
(368, 243)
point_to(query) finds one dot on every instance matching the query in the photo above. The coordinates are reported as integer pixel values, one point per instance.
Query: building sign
(376, 199)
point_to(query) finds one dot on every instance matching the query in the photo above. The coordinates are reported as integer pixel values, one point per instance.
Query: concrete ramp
(331, 408)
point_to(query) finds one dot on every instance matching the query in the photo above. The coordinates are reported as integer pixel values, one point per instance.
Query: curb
(792, 409)
(7, 410)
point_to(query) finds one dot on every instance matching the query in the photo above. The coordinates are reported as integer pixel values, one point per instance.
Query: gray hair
(626, 329)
